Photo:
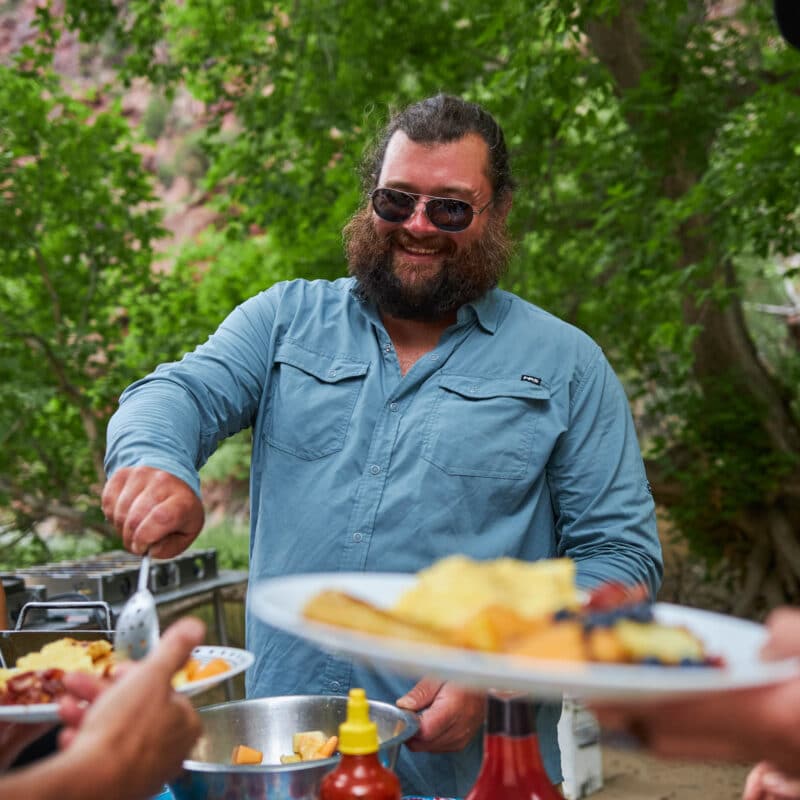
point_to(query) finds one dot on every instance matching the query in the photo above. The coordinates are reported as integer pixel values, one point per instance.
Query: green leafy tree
(78, 222)
(655, 144)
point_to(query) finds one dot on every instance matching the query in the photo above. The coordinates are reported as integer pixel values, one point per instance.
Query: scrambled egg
(455, 589)
(71, 655)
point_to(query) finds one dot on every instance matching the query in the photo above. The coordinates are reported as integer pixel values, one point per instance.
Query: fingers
(154, 509)
(784, 634)
(176, 646)
(421, 695)
(450, 719)
(72, 710)
(66, 737)
(83, 686)
(15, 737)
(765, 782)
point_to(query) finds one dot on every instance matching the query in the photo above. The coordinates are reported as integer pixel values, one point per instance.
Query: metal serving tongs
(137, 627)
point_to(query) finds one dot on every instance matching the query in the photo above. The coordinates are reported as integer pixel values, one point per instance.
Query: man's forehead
(459, 163)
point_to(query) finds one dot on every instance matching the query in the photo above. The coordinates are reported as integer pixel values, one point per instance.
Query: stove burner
(112, 576)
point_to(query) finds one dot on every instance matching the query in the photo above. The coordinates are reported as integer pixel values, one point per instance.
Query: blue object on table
(166, 794)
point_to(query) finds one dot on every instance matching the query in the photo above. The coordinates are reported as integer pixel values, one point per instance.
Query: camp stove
(112, 577)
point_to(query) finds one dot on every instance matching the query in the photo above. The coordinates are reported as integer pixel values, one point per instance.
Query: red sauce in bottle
(512, 766)
(359, 774)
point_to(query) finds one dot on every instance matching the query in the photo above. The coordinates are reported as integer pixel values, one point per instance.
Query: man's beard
(461, 278)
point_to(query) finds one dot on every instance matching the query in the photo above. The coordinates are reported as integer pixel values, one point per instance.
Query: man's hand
(452, 716)
(765, 783)
(136, 730)
(15, 737)
(152, 508)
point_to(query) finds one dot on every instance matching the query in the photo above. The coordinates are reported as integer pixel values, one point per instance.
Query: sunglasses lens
(447, 214)
(391, 205)
(450, 214)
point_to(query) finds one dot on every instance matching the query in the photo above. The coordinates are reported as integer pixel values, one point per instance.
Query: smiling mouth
(415, 248)
(420, 251)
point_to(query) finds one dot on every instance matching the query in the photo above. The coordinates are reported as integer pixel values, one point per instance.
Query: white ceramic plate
(238, 659)
(37, 712)
(280, 601)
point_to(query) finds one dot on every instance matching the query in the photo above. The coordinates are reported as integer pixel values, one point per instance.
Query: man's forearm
(68, 776)
(54, 778)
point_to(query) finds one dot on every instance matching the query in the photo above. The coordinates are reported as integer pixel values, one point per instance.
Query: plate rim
(553, 678)
(34, 713)
(245, 659)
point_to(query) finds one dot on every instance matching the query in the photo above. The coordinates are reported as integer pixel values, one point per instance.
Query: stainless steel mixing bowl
(268, 724)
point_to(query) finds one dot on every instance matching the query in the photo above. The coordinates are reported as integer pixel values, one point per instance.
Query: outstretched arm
(742, 725)
(129, 741)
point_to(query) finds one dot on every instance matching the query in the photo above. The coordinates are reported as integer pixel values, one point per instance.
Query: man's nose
(418, 222)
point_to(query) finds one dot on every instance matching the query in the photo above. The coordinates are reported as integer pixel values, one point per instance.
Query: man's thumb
(421, 695)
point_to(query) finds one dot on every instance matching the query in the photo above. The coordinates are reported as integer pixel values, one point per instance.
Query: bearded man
(408, 412)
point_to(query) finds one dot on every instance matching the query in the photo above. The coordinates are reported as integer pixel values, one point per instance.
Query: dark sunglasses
(446, 213)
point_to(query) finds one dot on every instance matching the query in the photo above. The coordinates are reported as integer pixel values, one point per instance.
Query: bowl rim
(412, 728)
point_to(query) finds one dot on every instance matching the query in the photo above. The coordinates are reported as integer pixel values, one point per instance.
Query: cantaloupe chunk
(214, 667)
(329, 748)
(307, 743)
(242, 754)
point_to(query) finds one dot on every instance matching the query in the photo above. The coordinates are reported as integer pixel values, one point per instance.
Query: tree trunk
(723, 349)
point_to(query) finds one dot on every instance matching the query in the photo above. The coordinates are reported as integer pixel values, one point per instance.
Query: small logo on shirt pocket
(531, 379)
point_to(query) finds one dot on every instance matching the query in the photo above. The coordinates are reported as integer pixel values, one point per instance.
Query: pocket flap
(485, 388)
(327, 367)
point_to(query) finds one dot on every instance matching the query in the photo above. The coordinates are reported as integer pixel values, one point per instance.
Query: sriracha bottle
(359, 775)
(512, 766)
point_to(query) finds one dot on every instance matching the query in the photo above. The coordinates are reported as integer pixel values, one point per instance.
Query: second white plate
(238, 659)
(280, 601)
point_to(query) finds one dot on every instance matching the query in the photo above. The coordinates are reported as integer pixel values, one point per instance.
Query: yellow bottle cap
(358, 735)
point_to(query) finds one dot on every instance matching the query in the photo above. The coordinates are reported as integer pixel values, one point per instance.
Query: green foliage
(78, 224)
(230, 540)
(231, 461)
(726, 465)
(154, 119)
(190, 158)
(655, 179)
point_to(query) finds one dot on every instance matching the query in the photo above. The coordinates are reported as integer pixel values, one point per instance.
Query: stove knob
(199, 568)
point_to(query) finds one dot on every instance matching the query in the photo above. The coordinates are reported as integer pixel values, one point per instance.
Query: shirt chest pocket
(312, 399)
(484, 427)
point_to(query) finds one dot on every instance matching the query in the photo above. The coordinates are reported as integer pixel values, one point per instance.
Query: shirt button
(332, 373)
(473, 389)
(375, 469)
(393, 406)
(335, 686)
(357, 537)
(387, 348)
(435, 357)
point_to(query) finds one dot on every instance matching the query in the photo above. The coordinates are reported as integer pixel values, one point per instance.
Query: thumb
(421, 695)
(176, 645)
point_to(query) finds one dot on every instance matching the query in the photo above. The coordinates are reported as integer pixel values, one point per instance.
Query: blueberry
(564, 614)
(639, 612)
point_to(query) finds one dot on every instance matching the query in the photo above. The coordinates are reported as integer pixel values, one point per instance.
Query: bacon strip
(35, 686)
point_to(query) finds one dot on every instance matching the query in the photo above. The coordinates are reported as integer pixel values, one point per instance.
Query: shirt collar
(486, 309)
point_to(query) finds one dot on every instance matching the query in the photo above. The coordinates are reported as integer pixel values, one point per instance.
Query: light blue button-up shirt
(513, 437)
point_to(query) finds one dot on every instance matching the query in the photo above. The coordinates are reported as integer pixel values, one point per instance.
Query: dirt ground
(629, 775)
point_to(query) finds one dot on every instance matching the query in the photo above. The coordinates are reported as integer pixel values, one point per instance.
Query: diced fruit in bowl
(242, 754)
